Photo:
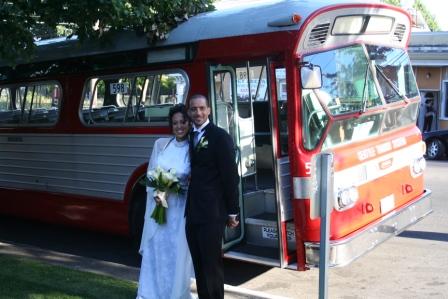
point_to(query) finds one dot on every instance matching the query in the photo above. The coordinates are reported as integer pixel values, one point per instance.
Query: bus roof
(234, 18)
(231, 18)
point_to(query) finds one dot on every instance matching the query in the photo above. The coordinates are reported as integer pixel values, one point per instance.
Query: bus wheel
(137, 217)
(435, 149)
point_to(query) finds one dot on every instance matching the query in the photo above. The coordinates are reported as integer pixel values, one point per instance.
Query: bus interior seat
(86, 116)
(117, 115)
(53, 115)
(99, 115)
(38, 115)
(10, 117)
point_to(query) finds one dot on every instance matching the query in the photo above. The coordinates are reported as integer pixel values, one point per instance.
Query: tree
(419, 6)
(24, 21)
(393, 2)
(429, 18)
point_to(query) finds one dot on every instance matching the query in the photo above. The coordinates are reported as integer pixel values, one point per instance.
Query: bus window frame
(118, 75)
(28, 85)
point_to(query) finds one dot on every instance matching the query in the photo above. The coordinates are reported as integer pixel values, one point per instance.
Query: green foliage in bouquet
(164, 183)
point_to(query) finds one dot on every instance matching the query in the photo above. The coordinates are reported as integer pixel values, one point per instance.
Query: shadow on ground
(433, 236)
(100, 246)
(106, 247)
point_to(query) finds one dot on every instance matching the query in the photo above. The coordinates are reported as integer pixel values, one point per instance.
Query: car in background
(436, 144)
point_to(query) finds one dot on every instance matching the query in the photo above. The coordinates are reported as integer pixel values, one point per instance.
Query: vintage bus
(287, 79)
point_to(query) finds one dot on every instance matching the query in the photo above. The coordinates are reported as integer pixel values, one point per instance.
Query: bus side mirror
(311, 76)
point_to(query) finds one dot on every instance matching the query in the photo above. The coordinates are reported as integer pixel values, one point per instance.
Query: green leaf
(46, 19)
(159, 214)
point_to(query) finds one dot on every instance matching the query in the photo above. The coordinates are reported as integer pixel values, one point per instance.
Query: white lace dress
(166, 267)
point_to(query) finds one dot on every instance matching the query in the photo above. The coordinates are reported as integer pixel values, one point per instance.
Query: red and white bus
(287, 79)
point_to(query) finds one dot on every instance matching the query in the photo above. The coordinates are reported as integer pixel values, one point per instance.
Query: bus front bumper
(346, 250)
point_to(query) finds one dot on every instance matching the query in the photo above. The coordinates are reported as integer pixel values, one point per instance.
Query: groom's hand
(232, 221)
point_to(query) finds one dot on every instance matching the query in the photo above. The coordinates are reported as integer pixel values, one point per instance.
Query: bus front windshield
(356, 79)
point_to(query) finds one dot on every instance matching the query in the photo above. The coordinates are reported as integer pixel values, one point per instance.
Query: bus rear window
(34, 104)
(132, 99)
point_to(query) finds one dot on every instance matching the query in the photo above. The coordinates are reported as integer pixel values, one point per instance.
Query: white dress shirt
(200, 130)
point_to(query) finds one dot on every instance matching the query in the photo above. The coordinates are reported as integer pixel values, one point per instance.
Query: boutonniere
(203, 143)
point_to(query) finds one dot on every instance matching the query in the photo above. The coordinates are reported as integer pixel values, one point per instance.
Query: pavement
(109, 268)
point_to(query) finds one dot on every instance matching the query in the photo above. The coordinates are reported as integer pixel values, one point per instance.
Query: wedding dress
(166, 267)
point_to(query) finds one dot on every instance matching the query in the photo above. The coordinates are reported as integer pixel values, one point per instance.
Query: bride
(166, 266)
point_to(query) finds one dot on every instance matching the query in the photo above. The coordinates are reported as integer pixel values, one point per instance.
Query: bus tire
(137, 216)
(435, 149)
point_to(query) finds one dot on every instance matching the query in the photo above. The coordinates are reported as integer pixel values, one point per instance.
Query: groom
(212, 201)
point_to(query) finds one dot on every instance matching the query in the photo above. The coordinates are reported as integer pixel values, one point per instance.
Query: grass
(22, 278)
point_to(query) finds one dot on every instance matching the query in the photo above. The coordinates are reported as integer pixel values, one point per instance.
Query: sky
(439, 8)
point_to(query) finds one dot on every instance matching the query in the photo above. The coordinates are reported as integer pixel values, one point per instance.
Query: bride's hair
(178, 108)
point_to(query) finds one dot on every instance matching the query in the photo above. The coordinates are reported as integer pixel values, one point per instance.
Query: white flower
(163, 182)
(169, 178)
(203, 143)
(151, 174)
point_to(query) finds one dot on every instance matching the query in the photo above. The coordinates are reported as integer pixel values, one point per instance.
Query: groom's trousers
(205, 243)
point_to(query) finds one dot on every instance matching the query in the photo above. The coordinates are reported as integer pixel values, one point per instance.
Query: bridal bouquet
(163, 182)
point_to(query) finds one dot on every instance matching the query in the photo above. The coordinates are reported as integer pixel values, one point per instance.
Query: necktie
(195, 138)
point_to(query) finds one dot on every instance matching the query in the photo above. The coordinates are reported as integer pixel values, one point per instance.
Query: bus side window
(164, 90)
(7, 112)
(142, 99)
(42, 106)
(36, 103)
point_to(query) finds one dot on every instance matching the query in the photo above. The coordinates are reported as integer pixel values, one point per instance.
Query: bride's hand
(157, 199)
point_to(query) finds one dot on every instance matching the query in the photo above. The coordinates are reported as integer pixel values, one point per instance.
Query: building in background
(429, 57)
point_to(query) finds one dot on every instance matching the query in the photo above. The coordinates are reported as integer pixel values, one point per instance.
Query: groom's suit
(212, 196)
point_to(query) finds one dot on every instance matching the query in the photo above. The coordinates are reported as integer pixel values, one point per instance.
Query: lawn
(22, 278)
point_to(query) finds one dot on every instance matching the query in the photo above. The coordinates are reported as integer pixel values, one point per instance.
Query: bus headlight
(417, 167)
(346, 198)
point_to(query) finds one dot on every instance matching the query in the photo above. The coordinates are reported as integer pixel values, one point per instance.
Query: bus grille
(318, 35)
(399, 32)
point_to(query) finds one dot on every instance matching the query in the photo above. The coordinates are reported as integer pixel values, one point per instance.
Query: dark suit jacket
(213, 190)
